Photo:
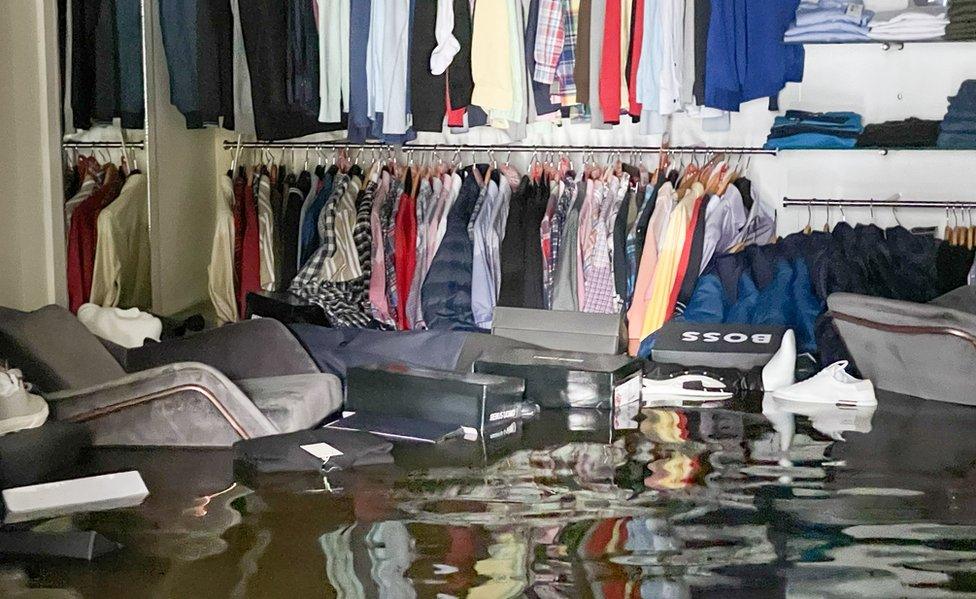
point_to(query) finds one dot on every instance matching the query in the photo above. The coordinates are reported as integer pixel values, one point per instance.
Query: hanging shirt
(549, 39)
(643, 286)
(584, 242)
(665, 272)
(121, 276)
(610, 70)
(396, 63)
(333, 33)
(425, 197)
(598, 270)
(482, 283)
(250, 280)
(266, 233)
(447, 45)
(377, 280)
(220, 272)
(490, 57)
(83, 239)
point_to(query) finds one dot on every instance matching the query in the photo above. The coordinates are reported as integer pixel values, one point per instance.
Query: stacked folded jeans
(914, 23)
(829, 21)
(962, 20)
(958, 129)
(815, 130)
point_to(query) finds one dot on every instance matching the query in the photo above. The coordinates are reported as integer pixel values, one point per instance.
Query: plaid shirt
(346, 303)
(550, 35)
(327, 218)
(388, 222)
(567, 59)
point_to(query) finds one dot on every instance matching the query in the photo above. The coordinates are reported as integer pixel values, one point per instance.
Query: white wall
(31, 223)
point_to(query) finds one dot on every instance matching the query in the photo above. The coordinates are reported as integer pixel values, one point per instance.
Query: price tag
(322, 451)
(854, 11)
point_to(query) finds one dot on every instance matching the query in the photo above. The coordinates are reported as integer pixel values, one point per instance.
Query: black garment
(460, 81)
(265, 28)
(953, 264)
(620, 270)
(703, 17)
(535, 211)
(745, 190)
(512, 259)
(644, 220)
(84, 33)
(690, 279)
(284, 453)
(303, 58)
(107, 68)
(909, 133)
(291, 223)
(215, 62)
(426, 90)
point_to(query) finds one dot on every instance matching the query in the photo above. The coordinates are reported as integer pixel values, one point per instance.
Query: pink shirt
(377, 278)
(585, 226)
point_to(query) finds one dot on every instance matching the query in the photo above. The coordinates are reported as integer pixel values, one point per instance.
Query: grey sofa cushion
(922, 350)
(55, 351)
(297, 402)
(250, 349)
(962, 299)
(184, 405)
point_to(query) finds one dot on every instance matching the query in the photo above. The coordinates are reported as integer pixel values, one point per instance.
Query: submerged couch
(923, 350)
(246, 380)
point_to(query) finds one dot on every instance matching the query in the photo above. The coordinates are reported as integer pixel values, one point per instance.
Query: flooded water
(750, 499)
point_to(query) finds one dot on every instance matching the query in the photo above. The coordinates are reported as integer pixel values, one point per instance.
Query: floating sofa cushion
(54, 350)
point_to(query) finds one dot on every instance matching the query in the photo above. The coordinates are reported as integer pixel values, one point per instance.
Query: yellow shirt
(490, 60)
(668, 261)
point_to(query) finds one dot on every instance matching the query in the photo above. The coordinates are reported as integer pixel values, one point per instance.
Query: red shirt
(82, 241)
(251, 257)
(406, 255)
(635, 56)
(610, 65)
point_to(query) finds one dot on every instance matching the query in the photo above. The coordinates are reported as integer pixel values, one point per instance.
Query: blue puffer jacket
(787, 283)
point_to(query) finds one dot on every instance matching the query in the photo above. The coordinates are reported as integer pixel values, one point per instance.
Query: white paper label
(855, 11)
(508, 430)
(322, 451)
(627, 392)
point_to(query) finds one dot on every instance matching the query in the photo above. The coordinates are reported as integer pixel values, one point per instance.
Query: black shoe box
(482, 404)
(557, 379)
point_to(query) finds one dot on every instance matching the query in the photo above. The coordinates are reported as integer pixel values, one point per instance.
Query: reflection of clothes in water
(392, 550)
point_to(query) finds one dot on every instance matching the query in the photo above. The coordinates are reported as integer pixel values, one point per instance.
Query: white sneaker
(780, 371)
(19, 410)
(694, 387)
(832, 385)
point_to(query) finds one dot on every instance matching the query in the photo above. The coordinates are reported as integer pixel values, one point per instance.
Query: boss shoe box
(558, 379)
(483, 405)
(738, 346)
(565, 331)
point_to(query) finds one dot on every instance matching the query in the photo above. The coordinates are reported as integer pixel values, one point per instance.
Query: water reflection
(749, 499)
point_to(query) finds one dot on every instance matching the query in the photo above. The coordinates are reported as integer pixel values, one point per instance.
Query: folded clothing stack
(914, 23)
(815, 130)
(829, 21)
(958, 129)
(907, 133)
(962, 21)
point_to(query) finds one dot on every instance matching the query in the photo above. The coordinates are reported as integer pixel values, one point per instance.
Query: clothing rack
(291, 145)
(887, 203)
(100, 145)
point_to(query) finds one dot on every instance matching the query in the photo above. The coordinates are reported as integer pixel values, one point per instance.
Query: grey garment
(283, 453)
(724, 217)
(180, 405)
(297, 402)
(932, 358)
(688, 75)
(565, 294)
(54, 350)
(250, 349)
(340, 563)
(962, 299)
(243, 106)
(598, 14)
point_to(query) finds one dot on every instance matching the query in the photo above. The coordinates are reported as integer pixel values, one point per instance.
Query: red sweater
(251, 256)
